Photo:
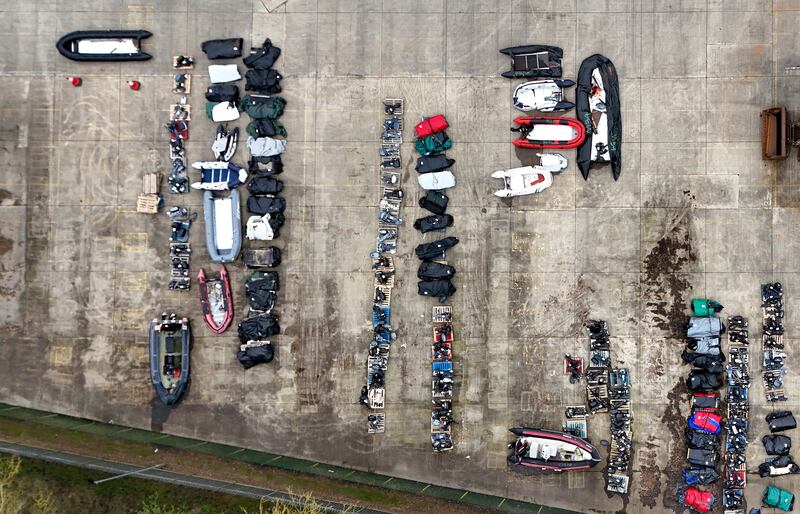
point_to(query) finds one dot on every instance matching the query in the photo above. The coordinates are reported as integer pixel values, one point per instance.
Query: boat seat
(170, 344)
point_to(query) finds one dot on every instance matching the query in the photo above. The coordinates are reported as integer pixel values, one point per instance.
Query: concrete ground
(695, 212)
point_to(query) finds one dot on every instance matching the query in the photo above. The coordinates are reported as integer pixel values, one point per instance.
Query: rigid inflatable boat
(216, 300)
(104, 45)
(549, 132)
(170, 341)
(528, 180)
(223, 226)
(545, 450)
(542, 95)
(597, 100)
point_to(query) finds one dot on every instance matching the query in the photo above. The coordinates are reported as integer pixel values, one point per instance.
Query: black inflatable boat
(104, 45)
(597, 106)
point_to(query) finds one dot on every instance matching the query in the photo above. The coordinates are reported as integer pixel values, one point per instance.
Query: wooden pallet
(442, 314)
(175, 63)
(387, 295)
(147, 203)
(150, 183)
(376, 398)
(174, 108)
(188, 89)
(398, 111)
(379, 426)
(437, 429)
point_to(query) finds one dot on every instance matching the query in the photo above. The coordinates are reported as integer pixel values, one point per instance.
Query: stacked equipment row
(442, 374)
(704, 425)
(737, 422)
(373, 393)
(774, 357)
(181, 219)
(266, 143)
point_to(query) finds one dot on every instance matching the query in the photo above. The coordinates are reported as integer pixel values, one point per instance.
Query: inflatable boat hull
(549, 132)
(223, 226)
(170, 386)
(216, 300)
(589, 454)
(597, 107)
(104, 45)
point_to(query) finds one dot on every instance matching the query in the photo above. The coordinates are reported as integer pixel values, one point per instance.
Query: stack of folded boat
(373, 393)
(434, 274)
(772, 342)
(737, 421)
(704, 425)
(777, 446)
(266, 143)
(442, 375)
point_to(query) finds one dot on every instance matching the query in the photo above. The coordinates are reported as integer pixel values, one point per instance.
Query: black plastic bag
(432, 163)
(222, 93)
(223, 48)
(700, 457)
(270, 257)
(265, 205)
(700, 475)
(783, 465)
(264, 280)
(258, 328)
(263, 81)
(710, 363)
(700, 440)
(262, 58)
(260, 165)
(256, 355)
(703, 381)
(440, 289)
(780, 421)
(777, 444)
(276, 221)
(435, 250)
(264, 186)
(434, 201)
(433, 222)
(435, 271)
(261, 299)
(265, 127)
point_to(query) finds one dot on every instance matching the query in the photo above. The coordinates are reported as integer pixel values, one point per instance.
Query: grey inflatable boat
(223, 225)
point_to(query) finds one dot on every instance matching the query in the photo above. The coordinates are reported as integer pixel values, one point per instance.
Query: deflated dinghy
(534, 61)
(216, 300)
(104, 45)
(224, 145)
(597, 99)
(219, 175)
(542, 95)
(170, 340)
(223, 226)
(549, 132)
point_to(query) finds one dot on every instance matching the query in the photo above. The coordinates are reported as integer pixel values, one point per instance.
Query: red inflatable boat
(549, 132)
(216, 300)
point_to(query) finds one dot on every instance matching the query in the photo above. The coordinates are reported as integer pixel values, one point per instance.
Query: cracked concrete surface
(696, 212)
